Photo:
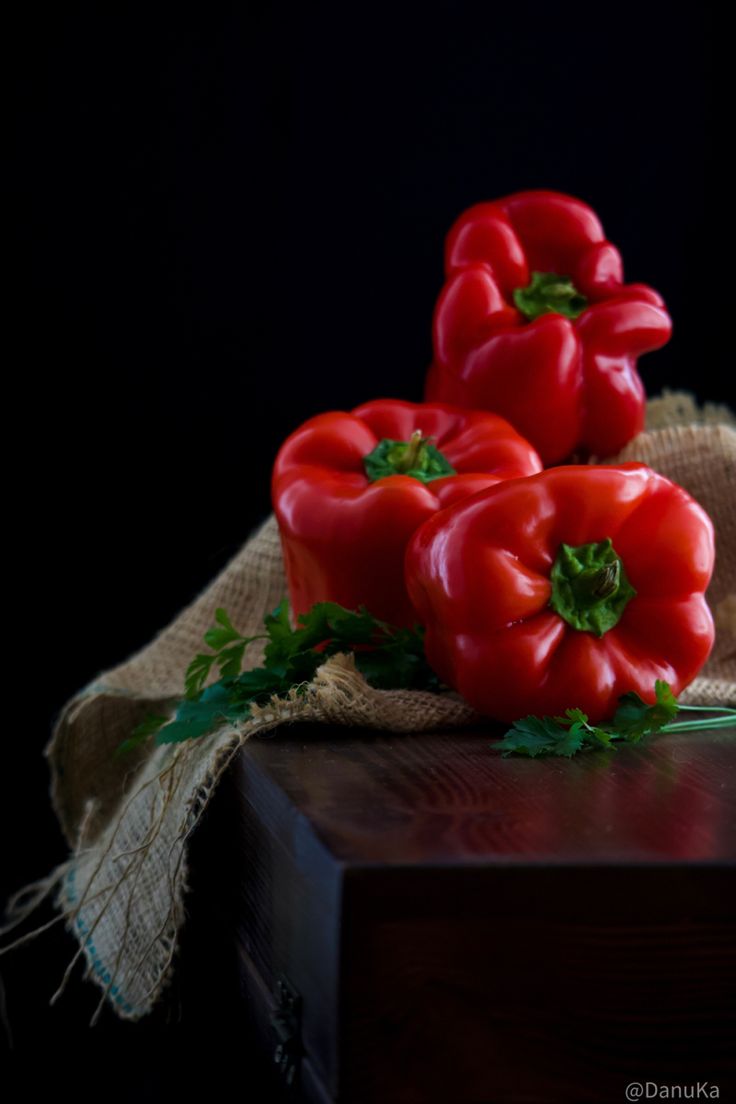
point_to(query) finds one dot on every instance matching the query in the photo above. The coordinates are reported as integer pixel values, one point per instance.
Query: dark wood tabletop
(442, 909)
(451, 797)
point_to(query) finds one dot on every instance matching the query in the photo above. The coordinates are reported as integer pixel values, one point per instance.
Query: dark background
(223, 222)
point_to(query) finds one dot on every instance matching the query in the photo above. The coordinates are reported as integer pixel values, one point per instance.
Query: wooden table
(419, 919)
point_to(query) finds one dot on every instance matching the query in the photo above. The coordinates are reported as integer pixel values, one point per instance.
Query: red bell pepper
(349, 489)
(535, 323)
(566, 589)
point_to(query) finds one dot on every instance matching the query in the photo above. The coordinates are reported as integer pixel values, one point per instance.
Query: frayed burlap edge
(122, 893)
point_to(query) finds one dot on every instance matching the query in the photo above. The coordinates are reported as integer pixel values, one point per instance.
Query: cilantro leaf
(591, 734)
(197, 674)
(573, 732)
(230, 660)
(228, 650)
(280, 636)
(398, 663)
(388, 657)
(196, 718)
(572, 740)
(531, 736)
(256, 686)
(634, 718)
(216, 638)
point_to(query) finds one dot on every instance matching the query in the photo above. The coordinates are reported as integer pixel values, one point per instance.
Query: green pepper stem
(413, 449)
(549, 293)
(590, 590)
(598, 583)
(418, 458)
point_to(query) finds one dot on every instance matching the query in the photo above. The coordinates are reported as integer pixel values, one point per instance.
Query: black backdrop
(224, 221)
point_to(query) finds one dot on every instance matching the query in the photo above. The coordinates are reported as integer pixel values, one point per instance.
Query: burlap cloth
(128, 820)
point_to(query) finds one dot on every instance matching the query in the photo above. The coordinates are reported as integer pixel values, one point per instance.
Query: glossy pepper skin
(482, 579)
(569, 384)
(344, 536)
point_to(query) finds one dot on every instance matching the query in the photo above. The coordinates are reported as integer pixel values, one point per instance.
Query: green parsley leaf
(388, 657)
(634, 718)
(591, 733)
(197, 674)
(573, 732)
(229, 648)
(572, 740)
(230, 660)
(196, 718)
(532, 736)
(280, 635)
(217, 637)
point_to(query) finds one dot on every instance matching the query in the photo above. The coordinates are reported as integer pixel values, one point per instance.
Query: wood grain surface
(468, 929)
(452, 797)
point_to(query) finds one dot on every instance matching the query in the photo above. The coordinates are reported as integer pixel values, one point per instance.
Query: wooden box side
(534, 984)
(287, 909)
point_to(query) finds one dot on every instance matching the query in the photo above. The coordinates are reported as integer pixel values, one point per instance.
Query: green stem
(694, 726)
(549, 293)
(590, 589)
(417, 458)
(413, 451)
(708, 709)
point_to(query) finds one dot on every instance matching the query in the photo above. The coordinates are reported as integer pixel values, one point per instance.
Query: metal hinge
(286, 1021)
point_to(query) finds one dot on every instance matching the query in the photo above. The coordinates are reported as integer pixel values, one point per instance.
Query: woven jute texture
(128, 819)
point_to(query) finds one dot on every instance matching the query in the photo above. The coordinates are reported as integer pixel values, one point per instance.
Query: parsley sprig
(633, 719)
(390, 658)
